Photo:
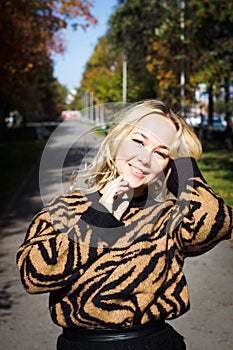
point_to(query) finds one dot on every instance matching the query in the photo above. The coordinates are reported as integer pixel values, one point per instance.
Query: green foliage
(103, 74)
(152, 36)
(58, 97)
(217, 168)
(124, 40)
(131, 31)
(219, 106)
(102, 78)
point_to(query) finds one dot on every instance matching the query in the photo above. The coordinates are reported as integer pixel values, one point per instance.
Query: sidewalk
(25, 320)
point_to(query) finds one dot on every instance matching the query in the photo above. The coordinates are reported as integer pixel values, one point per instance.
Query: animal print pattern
(102, 273)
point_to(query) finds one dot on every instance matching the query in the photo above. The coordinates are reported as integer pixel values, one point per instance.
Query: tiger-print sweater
(102, 272)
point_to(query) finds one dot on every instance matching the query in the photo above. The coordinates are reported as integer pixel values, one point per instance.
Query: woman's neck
(139, 192)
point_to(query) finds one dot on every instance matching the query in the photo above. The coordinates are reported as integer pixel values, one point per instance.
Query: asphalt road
(25, 320)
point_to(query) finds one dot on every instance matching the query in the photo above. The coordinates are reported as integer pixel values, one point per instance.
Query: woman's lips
(137, 172)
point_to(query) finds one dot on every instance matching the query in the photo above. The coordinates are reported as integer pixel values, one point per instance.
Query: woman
(112, 256)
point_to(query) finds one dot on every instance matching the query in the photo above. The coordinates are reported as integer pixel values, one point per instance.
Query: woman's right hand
(118, 188)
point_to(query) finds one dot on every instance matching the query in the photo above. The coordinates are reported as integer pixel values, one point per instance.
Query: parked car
(193, 120)
(219, 123)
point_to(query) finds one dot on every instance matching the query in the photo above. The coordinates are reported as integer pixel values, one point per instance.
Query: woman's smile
(137, 171)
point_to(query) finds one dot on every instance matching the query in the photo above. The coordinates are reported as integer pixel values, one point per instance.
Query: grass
(99, 131)
(216, 165)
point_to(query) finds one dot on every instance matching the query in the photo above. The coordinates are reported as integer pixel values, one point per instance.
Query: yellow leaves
(166, 75)
(28, 67)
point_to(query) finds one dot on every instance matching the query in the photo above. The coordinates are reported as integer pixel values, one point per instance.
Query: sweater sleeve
(61, 242)
(47, 257)
(206, 219)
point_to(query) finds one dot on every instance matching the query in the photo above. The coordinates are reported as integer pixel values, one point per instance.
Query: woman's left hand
(112, 192)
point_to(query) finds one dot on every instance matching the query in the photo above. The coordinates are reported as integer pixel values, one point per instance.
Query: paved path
(25, 320)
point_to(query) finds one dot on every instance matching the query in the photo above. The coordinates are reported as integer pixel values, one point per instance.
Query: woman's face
(144, 154)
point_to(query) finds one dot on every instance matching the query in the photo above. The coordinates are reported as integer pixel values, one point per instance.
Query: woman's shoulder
(68, 200)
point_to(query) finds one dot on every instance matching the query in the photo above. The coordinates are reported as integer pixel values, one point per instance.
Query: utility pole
(181, 5)
(91, 106)
(124, 80)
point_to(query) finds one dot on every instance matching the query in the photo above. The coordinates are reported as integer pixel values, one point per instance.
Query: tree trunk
(228, 132)
(209, 134)
(211, 104)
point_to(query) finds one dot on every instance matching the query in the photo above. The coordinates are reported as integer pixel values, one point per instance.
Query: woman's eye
(161, 154)
(140, 142)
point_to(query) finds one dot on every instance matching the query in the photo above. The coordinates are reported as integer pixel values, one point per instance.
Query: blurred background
(61, 57)
(63, 63)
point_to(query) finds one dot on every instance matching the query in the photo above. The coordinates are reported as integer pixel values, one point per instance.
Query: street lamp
(181, 5)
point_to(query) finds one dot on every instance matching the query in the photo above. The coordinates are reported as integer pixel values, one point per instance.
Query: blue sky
(80, 44)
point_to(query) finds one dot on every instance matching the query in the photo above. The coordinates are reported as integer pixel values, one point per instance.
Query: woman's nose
(144, 156)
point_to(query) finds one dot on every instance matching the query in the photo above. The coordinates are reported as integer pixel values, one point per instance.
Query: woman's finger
(112, 191)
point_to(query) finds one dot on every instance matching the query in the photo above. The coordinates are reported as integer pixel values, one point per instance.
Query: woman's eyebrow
(141, 134)
(146, 138)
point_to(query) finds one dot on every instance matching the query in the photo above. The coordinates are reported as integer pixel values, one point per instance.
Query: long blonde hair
(103, 169)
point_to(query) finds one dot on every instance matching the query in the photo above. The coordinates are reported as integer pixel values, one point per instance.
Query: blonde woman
(112, 255)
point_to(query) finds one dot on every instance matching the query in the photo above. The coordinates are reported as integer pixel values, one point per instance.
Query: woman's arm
(206, 218)
(47, 258)
(57, 246)
(63, 239)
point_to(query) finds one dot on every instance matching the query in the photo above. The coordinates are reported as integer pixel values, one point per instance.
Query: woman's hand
(116, 196)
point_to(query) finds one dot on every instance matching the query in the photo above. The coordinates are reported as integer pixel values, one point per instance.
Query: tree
(132, 29)
(213, 33)
(29, 32)
(207, 44)
(101, 75)
(154, 36)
